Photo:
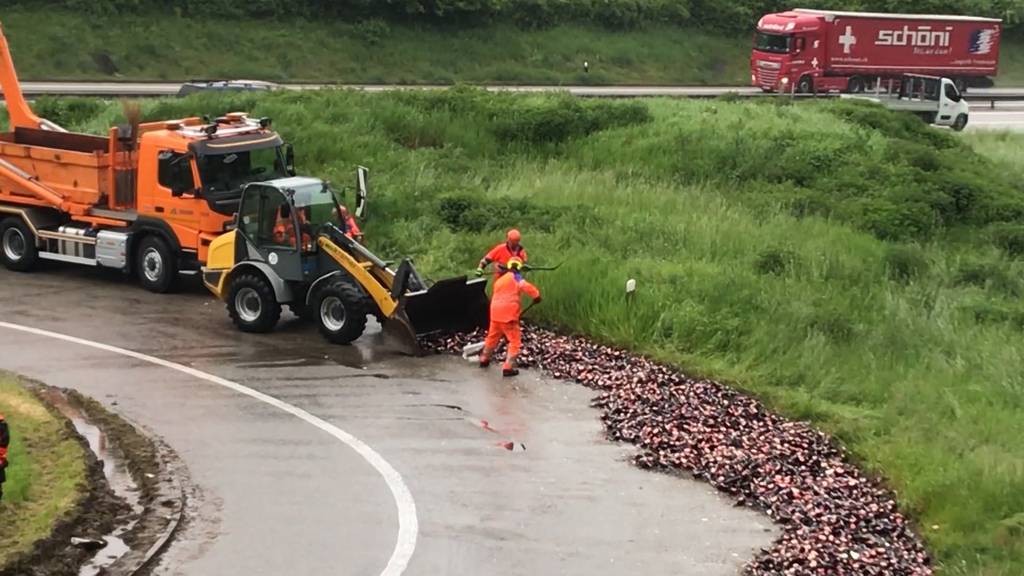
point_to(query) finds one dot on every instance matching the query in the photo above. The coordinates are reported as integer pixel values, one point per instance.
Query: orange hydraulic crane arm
(21, 115)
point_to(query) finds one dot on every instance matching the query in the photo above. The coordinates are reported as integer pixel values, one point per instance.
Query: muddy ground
(99, 510)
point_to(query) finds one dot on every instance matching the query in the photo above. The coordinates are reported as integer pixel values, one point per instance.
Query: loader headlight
(753, 78)
(784, 81)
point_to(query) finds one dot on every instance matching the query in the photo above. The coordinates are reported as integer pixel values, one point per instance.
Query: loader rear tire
(17, 245)
(252, 305)
(340, 311)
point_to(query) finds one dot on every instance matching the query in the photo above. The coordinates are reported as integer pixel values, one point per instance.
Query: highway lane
(278, 496)
(985, 115)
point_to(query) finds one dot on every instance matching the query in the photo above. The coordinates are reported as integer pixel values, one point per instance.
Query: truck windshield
(224, 172)
(777, 43)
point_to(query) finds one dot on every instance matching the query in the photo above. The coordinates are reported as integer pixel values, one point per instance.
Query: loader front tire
(340, 311)
(252, 304)
(17, 245)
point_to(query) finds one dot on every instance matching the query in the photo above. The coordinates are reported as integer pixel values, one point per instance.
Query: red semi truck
(821, 50)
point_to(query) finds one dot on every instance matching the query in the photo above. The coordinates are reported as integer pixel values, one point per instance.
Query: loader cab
(280, 221)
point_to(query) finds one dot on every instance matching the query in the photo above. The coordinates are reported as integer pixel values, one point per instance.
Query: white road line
(408, 524)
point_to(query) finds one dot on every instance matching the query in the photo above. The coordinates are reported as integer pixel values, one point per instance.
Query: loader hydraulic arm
(21, 115)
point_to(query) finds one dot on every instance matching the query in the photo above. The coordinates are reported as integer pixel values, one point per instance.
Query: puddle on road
(120, 480)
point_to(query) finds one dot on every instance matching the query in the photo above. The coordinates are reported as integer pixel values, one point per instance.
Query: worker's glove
(479, 272)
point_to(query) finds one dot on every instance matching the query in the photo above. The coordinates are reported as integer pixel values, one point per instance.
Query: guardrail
(156, 89)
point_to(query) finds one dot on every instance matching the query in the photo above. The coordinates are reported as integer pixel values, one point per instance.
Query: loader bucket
(453, 304)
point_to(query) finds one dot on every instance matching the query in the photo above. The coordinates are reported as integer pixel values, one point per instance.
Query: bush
(990, 275)
(1009, 237)
(776, 261)
(67, 111)
(905, 263)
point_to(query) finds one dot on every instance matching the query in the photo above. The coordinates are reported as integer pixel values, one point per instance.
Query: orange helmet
(514, 235)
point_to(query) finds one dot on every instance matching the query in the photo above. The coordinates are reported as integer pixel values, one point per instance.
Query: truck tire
(960, 123)
(340, 311)
(855, 85)
(156, 265)
(805, 85)
(17, 245)
(252, 303)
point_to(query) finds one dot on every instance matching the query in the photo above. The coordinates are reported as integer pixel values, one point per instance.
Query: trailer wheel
(805, 85)
(156, 265)
(855, 85)
(960, 123)
(340, 311)
(17, 245)
(252, 304)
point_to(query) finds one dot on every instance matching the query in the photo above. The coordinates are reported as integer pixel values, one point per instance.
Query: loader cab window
(266, 218)
(777, 43)
(319, 206)
(174, 172)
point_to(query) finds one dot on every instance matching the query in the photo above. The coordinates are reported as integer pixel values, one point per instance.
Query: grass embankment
(56, 45)
(46, 475)
(848, 265)
(59, 45)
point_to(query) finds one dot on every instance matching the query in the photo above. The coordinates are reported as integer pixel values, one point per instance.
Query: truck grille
(767, 78)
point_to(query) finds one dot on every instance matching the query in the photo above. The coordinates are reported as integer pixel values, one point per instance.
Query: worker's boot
(509, 369)
(485, 359)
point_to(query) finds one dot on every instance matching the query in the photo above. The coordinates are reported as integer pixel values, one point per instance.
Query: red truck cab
(824, 50)
(789, 52)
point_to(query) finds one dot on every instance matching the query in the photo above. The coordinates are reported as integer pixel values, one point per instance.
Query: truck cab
(191, 176)
(788, 53)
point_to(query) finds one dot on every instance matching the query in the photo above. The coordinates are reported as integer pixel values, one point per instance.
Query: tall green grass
(62, 45)
(850, 266)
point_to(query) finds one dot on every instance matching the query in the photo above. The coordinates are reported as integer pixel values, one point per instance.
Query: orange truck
(147, 199)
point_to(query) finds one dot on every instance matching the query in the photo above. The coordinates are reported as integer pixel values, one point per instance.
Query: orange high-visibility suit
(506, 307)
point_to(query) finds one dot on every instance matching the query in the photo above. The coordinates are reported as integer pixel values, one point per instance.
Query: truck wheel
(17, 245)
(855, 85)
(806, 85)
(960, 123)
(156, 265)
(252, 303)
(340, 312)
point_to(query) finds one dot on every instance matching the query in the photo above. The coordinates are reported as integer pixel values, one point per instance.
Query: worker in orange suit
(284, 229)
(5, 440)
(500, 254)
(506, 307)
(351, 228)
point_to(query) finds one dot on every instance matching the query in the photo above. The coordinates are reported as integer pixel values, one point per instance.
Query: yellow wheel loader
(290, 247)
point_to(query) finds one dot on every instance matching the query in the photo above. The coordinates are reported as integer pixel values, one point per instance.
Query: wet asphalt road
(276, 495)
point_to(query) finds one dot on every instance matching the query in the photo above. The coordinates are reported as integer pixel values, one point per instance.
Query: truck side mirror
(362, 191)
(289, 159)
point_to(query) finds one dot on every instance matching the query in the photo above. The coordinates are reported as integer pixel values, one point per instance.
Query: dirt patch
(145, 529)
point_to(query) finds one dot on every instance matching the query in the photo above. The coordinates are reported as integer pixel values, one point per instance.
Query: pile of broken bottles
(835, 520)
